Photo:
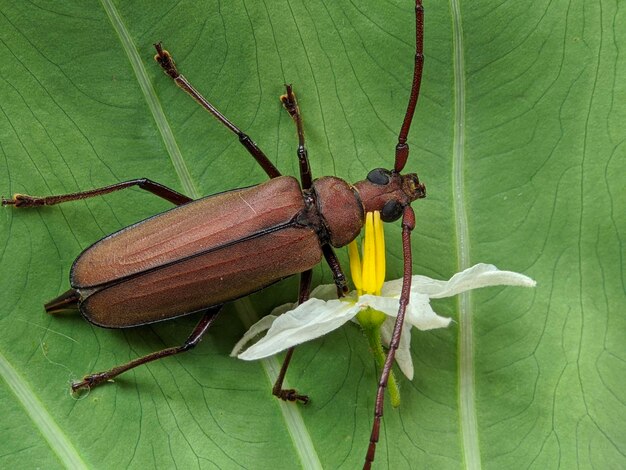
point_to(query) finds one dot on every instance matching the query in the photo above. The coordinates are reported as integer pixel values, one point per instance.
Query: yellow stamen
(369, 256)
(355, 266)
(368, 276)
(379, 250)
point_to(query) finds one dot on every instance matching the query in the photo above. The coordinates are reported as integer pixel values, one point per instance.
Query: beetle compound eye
(392, 210)
(378, 176)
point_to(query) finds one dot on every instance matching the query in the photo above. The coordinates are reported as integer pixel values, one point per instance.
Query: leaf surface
(518, 136)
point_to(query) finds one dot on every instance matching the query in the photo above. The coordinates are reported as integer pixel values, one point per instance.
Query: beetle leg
(291, 394)
(290, 103)
(23, 200)
(408, 224)
(93, 380)
(169, 67)
(288, 394)
(338, 276)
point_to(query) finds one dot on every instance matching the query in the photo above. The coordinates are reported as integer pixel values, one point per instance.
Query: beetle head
(389, 192)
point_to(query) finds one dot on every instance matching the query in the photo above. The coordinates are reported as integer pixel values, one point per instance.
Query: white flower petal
(392, 288)
(403, 353)
(480, 275)
(419, 313)
(263, 324)
(284, 308)
(316, 317)
(310, 320)
(325, 292)
(387, 305)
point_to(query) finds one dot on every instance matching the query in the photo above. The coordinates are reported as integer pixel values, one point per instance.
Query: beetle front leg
(164, 59)
(338, 276)
(287, 394)
(291, 394)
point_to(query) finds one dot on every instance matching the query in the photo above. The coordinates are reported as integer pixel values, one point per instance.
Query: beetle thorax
(340, 209)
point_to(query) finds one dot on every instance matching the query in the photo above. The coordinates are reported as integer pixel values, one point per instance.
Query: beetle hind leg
(93, 380)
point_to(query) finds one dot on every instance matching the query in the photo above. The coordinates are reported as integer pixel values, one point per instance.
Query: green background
(519, 137)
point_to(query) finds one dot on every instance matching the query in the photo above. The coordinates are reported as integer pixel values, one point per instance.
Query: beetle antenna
(408, 224)
(402, 148)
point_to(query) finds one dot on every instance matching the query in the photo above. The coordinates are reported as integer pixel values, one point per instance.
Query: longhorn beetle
(213, 250)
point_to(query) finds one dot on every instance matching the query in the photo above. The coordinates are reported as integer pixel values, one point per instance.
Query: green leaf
(518, 136)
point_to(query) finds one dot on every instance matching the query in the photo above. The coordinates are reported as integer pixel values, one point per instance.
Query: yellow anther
(379, 249)
(355, 266)
(368, 272)
(369, 256)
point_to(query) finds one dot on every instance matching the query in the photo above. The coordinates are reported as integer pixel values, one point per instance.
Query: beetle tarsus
(289, 102)
(291, 394)
(90, 381)
(23, 200)
(165, 61)
(342, 289)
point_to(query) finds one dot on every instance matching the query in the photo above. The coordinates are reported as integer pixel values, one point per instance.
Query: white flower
(317, 317)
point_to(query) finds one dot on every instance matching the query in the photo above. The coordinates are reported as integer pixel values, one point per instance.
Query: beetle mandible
(197, 256)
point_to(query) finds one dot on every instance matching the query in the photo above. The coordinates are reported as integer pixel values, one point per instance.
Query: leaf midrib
(50, 430)
(180, 166)
(466, 388)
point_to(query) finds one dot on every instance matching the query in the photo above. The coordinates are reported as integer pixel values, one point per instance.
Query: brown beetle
(197, 256)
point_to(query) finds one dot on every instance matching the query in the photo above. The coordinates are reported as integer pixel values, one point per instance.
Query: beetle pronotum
(195, 257)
